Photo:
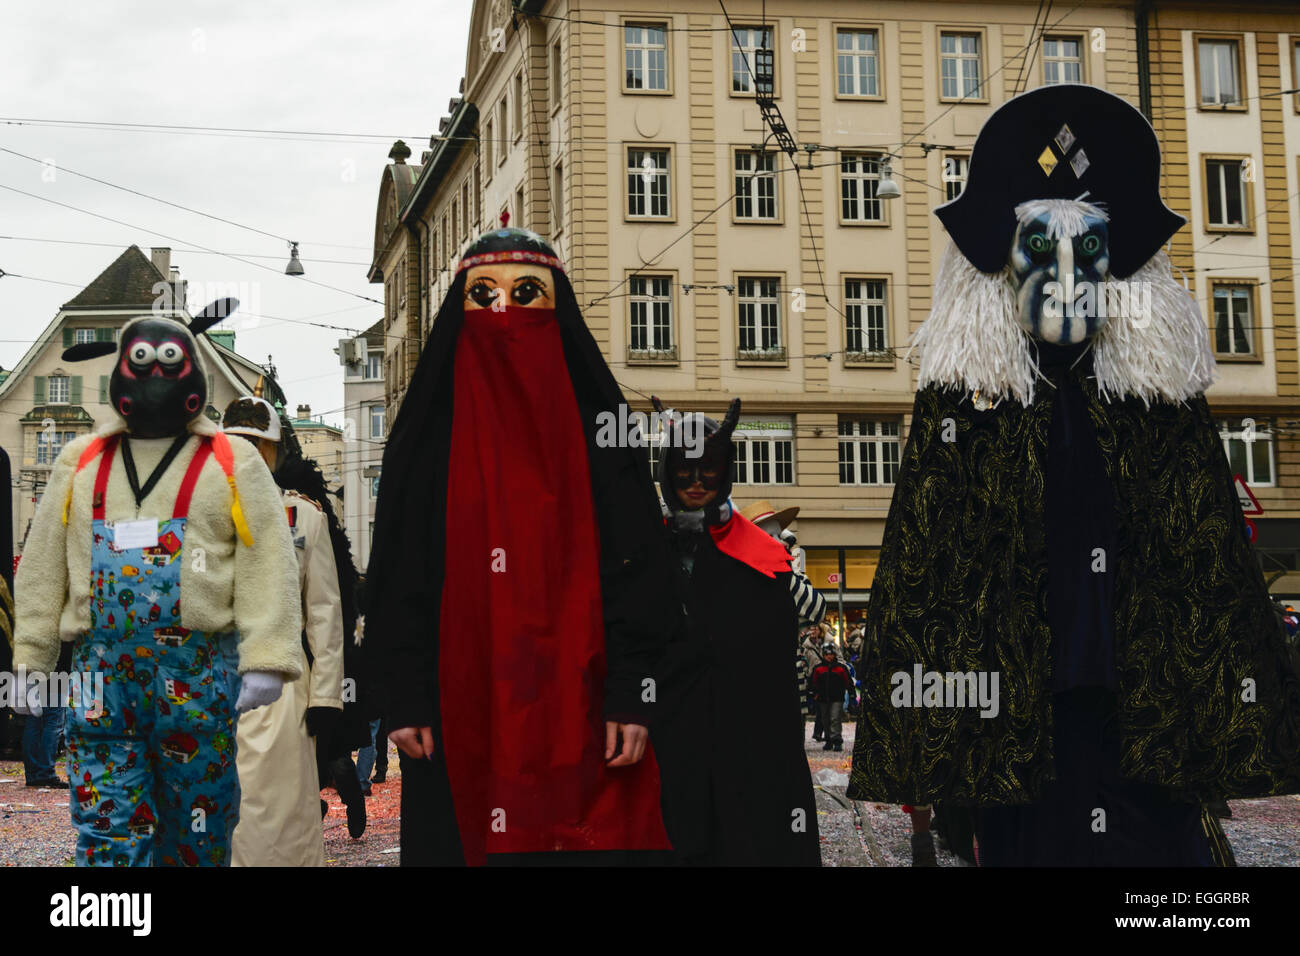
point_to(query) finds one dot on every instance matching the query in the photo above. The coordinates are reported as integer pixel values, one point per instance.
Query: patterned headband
(511, 255)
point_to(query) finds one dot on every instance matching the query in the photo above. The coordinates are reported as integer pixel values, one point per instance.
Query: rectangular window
(645, 56)
(759, 318)
(650, 319)
(1219, 68)
(869, 451)
(519, 104)
(1295, 71)
(58, 388)
(756, 185)
(955, 169)
(744, 42)
(502, 131)
(519, 208)
(764, 451)
(1234, 319)
(557, 196)
(647, 184)
(487, 147)
(83, 335)
(1249, 447)
(374, 365)
(49, 444)
(401, 282)
(465, 207)
(1062, 60)
(557, 78)
(859, 185)
(865, 325)
(1226, 195)
(959, 65)
(374, 487)
(857, 62)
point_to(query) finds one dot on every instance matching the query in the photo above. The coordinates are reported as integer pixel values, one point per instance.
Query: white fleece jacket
(224, 584)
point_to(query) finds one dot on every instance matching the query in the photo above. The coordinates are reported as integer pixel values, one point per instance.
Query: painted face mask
(158, 384)
(678, 470)
(1060, 260)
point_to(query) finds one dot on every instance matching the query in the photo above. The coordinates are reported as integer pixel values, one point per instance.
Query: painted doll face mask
(1060, 260)
(158, 385)
(503, 285)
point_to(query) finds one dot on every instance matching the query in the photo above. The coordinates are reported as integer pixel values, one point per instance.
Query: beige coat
(279, 813)
(225, 584)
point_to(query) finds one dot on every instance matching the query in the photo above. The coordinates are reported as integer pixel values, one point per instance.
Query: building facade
(364, 430)
(323, 444)
(710, 264)
(45, 403)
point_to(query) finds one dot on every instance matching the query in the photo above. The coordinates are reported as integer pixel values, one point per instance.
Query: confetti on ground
(35, 828)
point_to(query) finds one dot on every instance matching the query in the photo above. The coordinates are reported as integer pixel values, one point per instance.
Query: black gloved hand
(323, 721)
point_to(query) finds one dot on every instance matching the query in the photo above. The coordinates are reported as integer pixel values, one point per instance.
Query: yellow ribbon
(237, 513)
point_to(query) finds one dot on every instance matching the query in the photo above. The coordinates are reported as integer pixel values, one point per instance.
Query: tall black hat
(1060, 142)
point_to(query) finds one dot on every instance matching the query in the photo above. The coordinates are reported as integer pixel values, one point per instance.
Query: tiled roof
(129, 282)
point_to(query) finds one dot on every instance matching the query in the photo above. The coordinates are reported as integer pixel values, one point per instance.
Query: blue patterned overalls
(152, 773)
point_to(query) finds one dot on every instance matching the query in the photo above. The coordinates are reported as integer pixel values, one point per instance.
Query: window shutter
(103, 334)
(103, 390)
(74, 391)
(38, 397)
(67, 338)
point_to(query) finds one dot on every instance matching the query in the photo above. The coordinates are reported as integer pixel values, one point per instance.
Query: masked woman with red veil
(513, 626)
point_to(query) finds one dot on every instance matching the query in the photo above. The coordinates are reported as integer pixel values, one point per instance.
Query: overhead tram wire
(136, 192)
(199, 252)
(156, 232)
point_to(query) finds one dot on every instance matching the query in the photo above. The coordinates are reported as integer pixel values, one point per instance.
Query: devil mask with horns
(158, 384)
(710, 469)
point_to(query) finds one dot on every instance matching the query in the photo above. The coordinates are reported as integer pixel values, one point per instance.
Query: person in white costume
(280, 822)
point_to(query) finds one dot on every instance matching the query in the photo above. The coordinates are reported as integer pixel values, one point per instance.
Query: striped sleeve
(807, 599)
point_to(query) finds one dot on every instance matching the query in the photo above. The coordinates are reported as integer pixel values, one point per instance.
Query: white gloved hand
(29, 692)
(258, 689)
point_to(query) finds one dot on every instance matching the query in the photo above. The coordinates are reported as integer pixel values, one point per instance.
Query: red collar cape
(743, 540)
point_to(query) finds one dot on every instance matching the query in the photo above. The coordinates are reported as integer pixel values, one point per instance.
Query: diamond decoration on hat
(1080, 163)
(1047, 160)
(1065, 138)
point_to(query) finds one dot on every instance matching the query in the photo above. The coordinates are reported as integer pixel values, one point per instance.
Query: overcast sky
(332, 66)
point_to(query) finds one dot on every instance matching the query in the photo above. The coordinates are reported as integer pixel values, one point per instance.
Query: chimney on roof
(162, 259)
(179, 287)
(304, 412)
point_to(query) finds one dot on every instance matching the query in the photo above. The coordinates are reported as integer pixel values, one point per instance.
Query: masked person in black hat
(736, 792)
(1068, 628)
(510, 611)
(180, 591)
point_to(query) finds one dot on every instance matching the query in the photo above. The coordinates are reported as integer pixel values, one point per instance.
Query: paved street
(34, 827)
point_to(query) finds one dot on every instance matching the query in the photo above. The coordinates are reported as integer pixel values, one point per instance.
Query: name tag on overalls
(136, 534)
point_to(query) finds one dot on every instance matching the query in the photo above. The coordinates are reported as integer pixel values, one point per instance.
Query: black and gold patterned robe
(962, 586)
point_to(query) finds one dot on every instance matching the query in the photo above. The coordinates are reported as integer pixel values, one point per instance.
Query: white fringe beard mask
(1155, 347)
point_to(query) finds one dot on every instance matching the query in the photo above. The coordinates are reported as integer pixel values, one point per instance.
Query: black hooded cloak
(405, 574)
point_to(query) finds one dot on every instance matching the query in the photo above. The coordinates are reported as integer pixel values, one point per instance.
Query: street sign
(1249, 503)
(833, 578)
(1251, 531)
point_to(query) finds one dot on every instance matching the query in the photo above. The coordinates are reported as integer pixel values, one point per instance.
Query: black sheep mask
(159, 384)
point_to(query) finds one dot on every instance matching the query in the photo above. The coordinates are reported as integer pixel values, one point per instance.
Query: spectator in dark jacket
(830, 682)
